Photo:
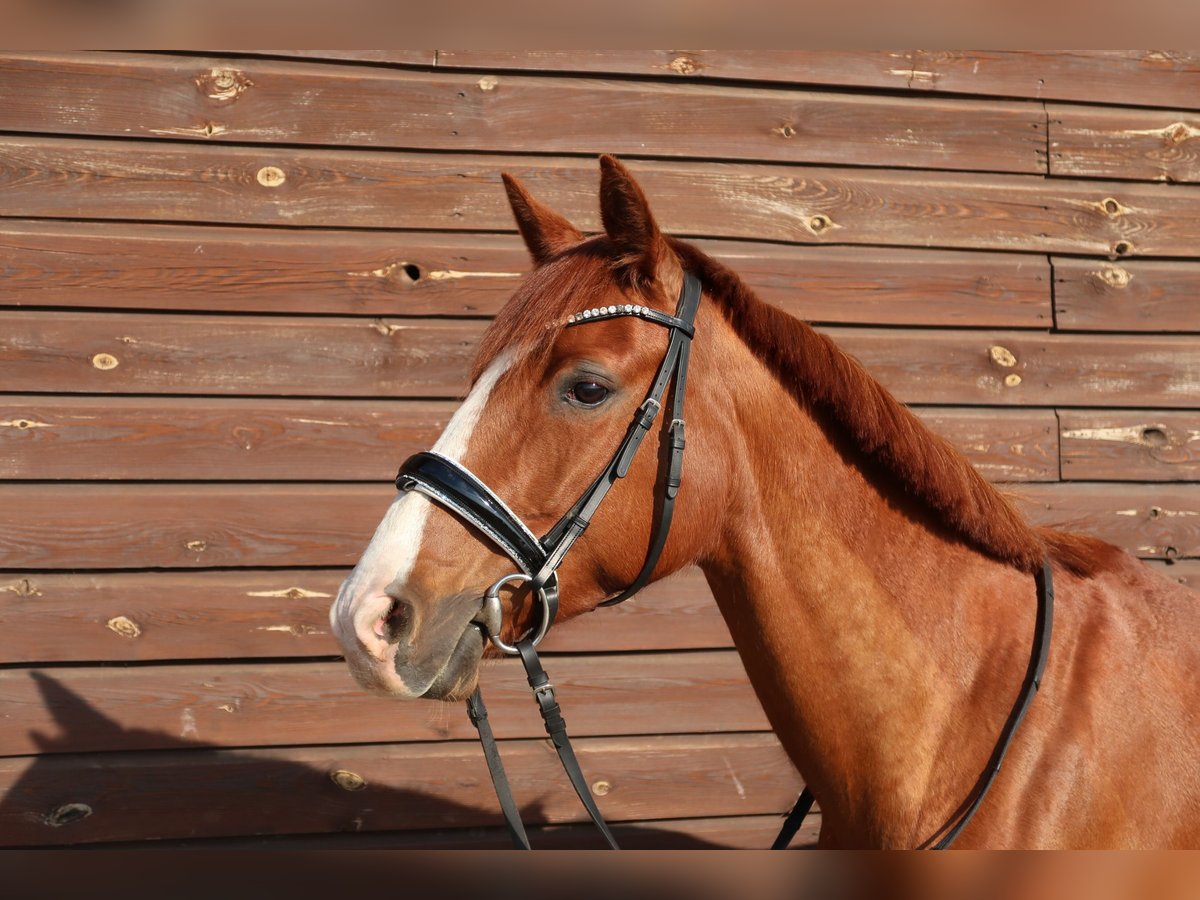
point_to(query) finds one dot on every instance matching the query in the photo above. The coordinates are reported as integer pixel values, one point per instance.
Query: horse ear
(628, 220)
(545, 231)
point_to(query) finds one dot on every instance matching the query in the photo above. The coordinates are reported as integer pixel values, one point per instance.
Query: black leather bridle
(453, 486)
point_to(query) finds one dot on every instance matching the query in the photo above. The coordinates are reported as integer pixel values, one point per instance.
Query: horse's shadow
(195, 793)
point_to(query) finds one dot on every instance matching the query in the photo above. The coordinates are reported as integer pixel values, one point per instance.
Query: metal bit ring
(491, 616)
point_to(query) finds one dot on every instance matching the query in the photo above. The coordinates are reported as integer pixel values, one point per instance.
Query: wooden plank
(213, 439)
(83, 264)
(1152, 145)
(139, 796)
(395, 57)
(1003, 444)
(1152, 521)
(97, 709)
(47, 352)
(137, 616)
(722, 832)
(269, 101)
(43, 352)
(1130, 445)
(134, 526)
(1137, 77)
(137, 526)
(207, 439)
(61, 178)
(1093, 295)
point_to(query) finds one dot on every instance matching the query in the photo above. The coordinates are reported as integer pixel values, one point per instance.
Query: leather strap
(477, 712)
(556, 728)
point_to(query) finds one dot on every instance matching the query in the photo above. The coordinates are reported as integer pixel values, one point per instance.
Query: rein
(453, 486)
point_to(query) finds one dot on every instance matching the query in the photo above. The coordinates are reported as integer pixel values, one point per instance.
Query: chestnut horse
(878, 590)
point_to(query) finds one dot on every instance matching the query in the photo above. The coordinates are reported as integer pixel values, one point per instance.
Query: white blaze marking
(390, 556)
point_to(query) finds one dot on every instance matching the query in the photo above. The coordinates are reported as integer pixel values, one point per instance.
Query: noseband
(453, 486)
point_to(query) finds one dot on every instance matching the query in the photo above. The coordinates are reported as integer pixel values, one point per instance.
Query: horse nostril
(396, 622)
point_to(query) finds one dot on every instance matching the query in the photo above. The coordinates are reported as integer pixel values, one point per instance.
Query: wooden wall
(236, 290)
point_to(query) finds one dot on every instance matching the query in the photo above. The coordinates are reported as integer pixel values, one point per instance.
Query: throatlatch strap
(512, 816)
(1039, 653)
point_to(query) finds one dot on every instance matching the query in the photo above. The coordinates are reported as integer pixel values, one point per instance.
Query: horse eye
(588, 393)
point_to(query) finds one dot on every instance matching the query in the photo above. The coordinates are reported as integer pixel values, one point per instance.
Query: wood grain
(1098, 295)
(73, 178)
(262, 704)
(339, 357)
(269, 101)
(203, 439)
(721, 832)
(1136, 77)
(1151, 521)
(137, 526)
(1185, 571)
(82, 264)
(1124, 445)
(1149, 145)
(137, 796)
(48, 617)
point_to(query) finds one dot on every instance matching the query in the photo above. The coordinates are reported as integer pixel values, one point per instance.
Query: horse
(879, 591)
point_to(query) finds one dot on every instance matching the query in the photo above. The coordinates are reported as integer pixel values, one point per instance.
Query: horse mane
(886, 432)
(816, 372)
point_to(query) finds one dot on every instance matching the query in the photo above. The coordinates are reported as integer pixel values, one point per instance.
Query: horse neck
(884, 651)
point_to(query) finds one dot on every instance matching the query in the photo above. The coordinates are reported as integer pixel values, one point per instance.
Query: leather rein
(454, 487)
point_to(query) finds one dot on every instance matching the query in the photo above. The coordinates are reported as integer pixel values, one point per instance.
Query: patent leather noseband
(454, 487)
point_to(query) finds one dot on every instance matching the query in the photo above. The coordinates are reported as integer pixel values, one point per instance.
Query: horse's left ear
(628, 220)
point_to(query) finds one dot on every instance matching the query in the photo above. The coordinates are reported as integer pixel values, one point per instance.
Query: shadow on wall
(194, 792)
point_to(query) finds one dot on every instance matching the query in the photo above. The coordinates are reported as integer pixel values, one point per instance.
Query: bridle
(453, 486)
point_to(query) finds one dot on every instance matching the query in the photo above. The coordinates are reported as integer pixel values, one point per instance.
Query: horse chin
(460, 674)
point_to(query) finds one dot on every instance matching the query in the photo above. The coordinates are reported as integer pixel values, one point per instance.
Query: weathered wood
(263, 704)
(48, 617)
(137, 526)
(66, 178)
(396, 57)
(120, 353)
(332, 357)
(202, 439)
(85, 264)
(1094, 142)
(1151, 521)
(1138, 77)
(1004, 445)
(261, 100)
(139, 796)
(724, 832)
(1095, 295)
(1125, 445)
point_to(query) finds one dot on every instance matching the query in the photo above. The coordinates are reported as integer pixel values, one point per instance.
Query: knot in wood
(1012, 380)
(1154, 436)
(1111, 207)
(1122, 248)
(196, 546)
(222, 83)
(488, 83)
(819, 223)
(1115, 276)
(68, 813)
(1002, 356)
(105, 361)
(684, 65)
(125, 627)
(24, 588)
(347, 780)
(786, 130)
(600, 788)
(271, 176)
